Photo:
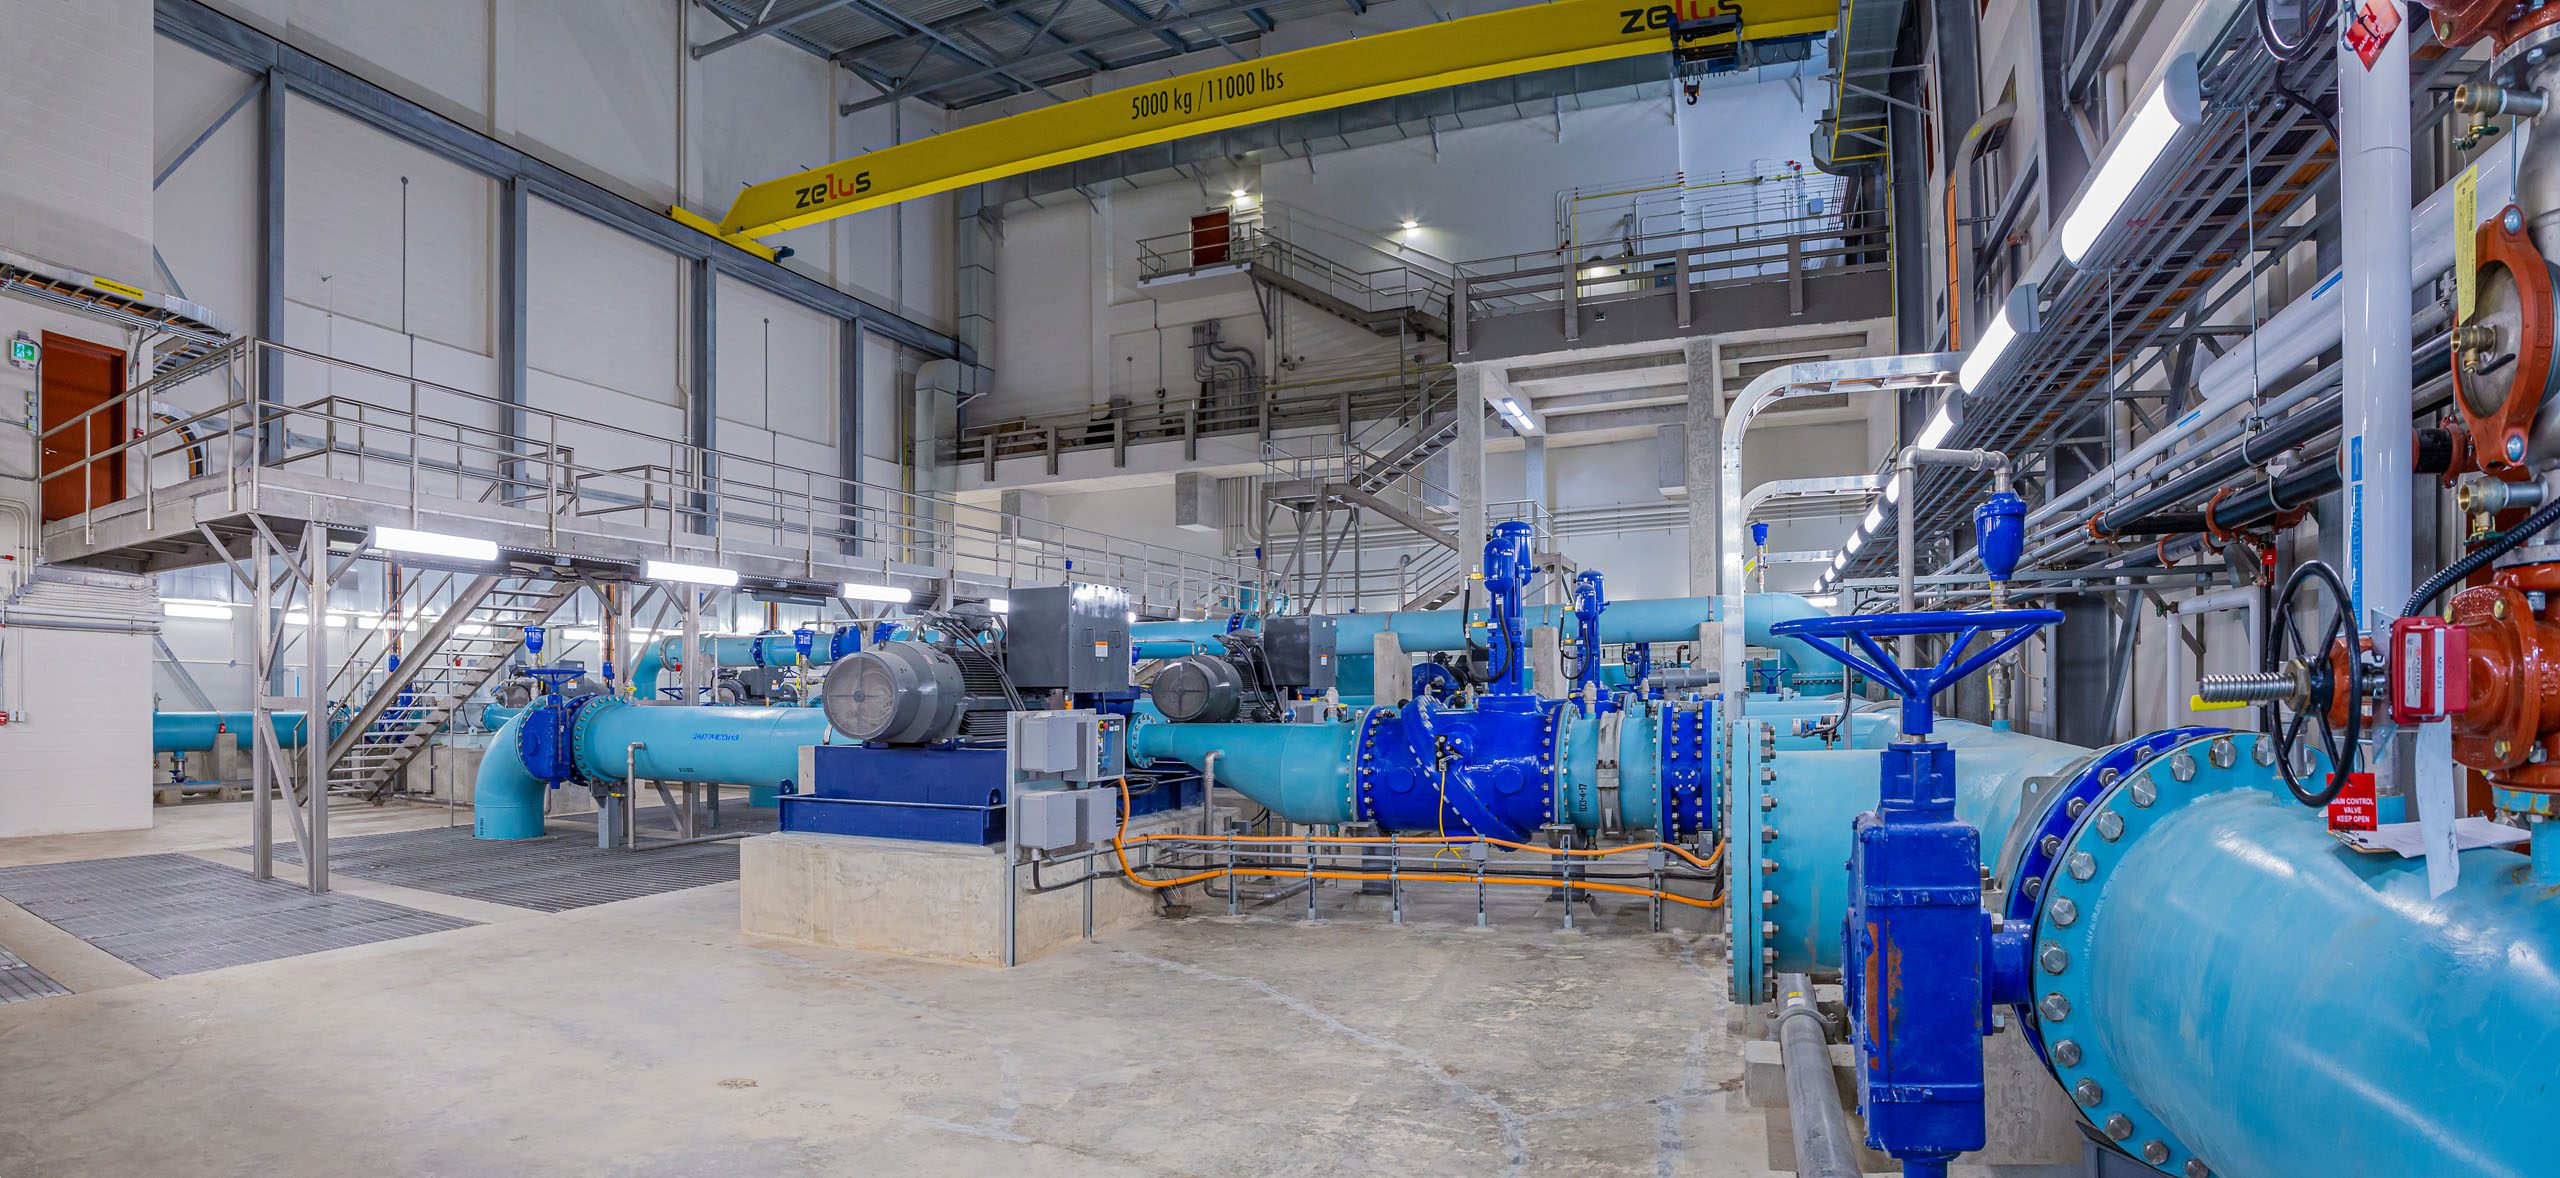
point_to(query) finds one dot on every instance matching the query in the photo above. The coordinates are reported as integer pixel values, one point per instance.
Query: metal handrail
(1829, 243)
(694, 500)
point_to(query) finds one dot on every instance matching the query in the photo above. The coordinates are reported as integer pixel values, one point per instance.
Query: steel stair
(470, 641)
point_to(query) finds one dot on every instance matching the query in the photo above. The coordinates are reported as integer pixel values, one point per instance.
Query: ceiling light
(998, 605)
(2017, 317)
(1840, 562)
(1893, 490)
(1940, 425)
(1857, 540)
(891, 594)
(2172, 105)
(1410, 224)
(195, 609)
(1133, 617)
(690, 574)
(434, 544)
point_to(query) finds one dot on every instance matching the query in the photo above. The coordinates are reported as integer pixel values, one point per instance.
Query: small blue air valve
(1921, 964)
(2000, 530)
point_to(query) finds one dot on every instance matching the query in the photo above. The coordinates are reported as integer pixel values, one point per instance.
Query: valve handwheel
(1918, 685)
(2318, 672)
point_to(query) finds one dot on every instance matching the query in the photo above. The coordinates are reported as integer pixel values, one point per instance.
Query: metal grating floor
(554, 873)
(20, 981)
(173, 914)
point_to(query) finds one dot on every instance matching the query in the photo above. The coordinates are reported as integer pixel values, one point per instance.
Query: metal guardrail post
(1795, 274)
(1458, 314)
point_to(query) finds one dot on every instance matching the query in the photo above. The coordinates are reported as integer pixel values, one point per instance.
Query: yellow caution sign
(1426, 57)
(109, 284)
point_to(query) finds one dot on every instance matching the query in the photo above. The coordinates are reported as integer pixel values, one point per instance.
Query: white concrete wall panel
(591, 86)
(385, 233)
(606, 309)
(76, 116)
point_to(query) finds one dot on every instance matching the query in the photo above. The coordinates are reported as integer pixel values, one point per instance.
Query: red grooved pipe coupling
(2515, 679)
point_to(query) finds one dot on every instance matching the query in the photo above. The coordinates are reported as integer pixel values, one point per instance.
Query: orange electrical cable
(1120, 840)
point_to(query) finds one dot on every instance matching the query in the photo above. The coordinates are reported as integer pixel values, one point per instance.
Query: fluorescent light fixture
(1893, 489)
(1822, 600)
(581, 635)
(891, 594)
(1857, 540)
(1516, 415)
(998, 605)
(1874, 520)
(690, 574)
(2172, 105)
(434, 544)
(2017, 317)
(195, 609)
(1944, 423)
(1840, 562)
(1410, 224)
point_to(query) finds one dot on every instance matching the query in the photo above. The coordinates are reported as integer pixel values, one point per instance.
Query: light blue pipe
(1665, 619)
(495, 716)
(757, 747)
(196, 732)
(1301, 772)
(735, 650)
(1820, 793)
(2283, 1005)
(506, 799)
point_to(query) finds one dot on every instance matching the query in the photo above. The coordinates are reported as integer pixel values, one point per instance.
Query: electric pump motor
(1204, 689)
(896, 693)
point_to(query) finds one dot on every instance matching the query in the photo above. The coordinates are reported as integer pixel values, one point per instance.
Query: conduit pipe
(1824, 1147)
(2301, 331)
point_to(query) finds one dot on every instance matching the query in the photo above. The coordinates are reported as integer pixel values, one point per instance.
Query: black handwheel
(2320, 686)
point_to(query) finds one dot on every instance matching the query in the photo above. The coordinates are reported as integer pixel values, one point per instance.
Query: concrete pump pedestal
(935, 900)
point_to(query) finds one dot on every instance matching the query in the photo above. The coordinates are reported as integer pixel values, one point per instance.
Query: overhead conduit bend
(755, 747)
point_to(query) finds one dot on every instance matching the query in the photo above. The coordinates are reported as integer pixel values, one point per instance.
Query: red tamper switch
(2430, 670)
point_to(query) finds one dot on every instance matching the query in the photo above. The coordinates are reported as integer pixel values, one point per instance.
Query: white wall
(81, 758)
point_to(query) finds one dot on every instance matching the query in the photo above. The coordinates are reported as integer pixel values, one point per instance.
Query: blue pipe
(776, 649)
(196, 732)
(1820, 793)
(2254, 996)
(587, 739)
(506, 800)
(1663, 619)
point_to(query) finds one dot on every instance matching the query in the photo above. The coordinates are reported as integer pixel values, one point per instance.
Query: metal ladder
(470, 642)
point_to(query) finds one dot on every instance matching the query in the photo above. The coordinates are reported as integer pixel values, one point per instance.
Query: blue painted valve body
(1922, 963)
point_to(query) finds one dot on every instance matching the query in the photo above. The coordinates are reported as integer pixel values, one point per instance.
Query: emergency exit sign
(22, 352)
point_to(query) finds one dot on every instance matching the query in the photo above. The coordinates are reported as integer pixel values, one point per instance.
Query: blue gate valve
(1923, 964)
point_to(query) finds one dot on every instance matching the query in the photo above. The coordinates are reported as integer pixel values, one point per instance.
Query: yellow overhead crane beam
(1426, 57)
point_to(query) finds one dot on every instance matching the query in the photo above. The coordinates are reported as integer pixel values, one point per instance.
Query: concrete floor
(650, 1037)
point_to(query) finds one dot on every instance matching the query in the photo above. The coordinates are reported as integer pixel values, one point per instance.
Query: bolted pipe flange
(2144, 793)
(2222, 753)
(2088, 1093)
(2076, 807)
(2054, 958)
(2110, 826)
(2062, 910)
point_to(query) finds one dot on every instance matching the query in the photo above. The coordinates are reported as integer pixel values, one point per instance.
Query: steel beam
(761, 27)
(194, 24)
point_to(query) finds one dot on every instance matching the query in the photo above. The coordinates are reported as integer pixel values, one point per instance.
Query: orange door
(78, 376)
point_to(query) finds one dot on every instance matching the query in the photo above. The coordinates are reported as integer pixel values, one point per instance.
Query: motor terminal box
(1300, 651)
(1071, 638)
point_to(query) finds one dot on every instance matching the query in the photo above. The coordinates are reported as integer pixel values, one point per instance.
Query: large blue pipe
(196, 732)
(1820, 792)
(588, 739)
(1667, 619)
(2254, 997)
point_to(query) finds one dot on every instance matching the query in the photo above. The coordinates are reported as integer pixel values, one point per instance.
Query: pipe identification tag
(2376, 21)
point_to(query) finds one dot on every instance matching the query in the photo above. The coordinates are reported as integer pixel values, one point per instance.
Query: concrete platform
(930, 900)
